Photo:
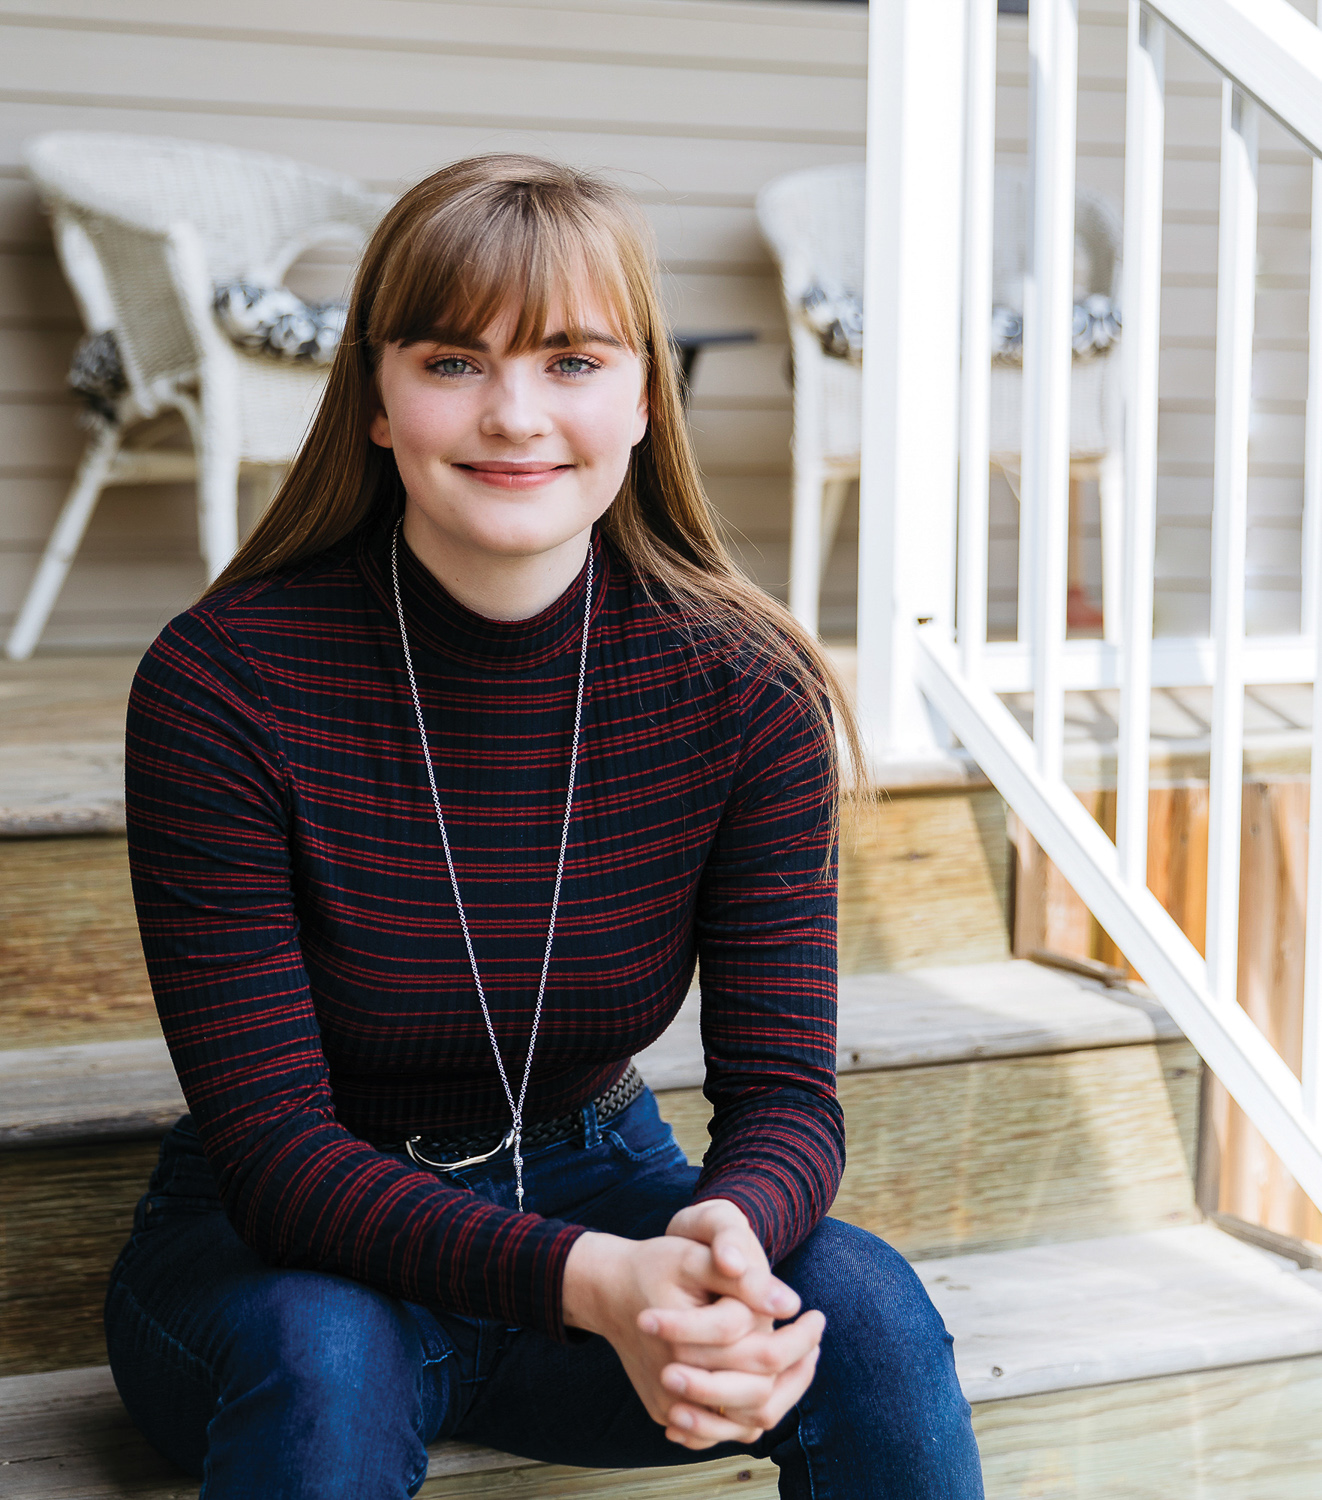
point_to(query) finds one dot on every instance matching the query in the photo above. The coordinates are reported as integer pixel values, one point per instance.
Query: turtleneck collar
(438, 622)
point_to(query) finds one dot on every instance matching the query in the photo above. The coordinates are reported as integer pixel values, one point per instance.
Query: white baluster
(1053, 45)
(979, 190)
(1145, 129)
(1312, 587)
(1236, 276)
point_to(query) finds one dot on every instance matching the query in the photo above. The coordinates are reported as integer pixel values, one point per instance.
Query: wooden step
(1119, 1308)
(62, 788)
(65, 1436)
(62, 744)
(71, 968)
(95, 1093)
(987, 1106)
(1175, 1363)
(1178, 1362)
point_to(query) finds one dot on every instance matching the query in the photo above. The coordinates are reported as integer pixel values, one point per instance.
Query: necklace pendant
(415, 1155)
(518, 1162)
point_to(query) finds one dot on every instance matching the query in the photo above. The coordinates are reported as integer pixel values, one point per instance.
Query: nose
(514, 410)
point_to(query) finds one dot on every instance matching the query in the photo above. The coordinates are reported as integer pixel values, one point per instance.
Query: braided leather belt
(456, 1151)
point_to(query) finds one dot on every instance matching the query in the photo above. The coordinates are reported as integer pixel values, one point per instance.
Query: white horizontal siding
(779, 37)
(304, 78)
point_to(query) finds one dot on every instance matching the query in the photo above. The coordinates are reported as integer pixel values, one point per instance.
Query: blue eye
(576, 364)
(450, 364)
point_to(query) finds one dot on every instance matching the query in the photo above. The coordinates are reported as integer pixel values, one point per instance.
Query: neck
(494, 585)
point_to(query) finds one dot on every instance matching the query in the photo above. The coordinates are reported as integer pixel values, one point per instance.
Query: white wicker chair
(813, 222)
(144, 227)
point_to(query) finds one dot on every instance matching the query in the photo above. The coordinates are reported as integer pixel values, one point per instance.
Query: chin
(522, 537)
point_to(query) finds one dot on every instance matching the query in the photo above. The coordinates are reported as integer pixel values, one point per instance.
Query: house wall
(693, 103)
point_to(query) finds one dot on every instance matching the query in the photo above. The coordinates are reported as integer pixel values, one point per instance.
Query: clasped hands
(692, 1317)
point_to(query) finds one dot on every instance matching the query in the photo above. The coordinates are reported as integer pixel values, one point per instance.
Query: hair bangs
(456, 276)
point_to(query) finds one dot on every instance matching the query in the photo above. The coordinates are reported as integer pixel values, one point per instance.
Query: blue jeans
(299, 1385)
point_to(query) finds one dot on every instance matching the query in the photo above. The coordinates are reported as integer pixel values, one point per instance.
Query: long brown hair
(452, 253)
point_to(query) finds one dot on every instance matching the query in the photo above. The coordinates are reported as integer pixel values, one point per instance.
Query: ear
(379, 430)
(640, 419)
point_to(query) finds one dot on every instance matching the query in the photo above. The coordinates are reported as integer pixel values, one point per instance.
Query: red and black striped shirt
(303, 942)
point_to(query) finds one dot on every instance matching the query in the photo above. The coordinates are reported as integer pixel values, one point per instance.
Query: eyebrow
(559, 340)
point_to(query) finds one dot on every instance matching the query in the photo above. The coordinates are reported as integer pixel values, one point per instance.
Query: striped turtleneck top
(306, 955)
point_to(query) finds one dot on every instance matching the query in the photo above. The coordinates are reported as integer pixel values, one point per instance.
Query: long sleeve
(766, 936)
(213, 815)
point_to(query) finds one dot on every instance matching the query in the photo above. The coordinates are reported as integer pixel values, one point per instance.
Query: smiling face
(508, 458)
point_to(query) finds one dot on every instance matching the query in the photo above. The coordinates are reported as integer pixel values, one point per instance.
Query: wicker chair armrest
(160, 291)
(83, 271)
(351, 221)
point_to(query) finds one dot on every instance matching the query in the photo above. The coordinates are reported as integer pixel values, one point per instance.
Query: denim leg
(268, 1384)
(884, 1418)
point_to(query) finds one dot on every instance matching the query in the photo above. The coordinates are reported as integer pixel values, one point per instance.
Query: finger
(787, 1392)
(696, 1427)
(722, 1322)
(734, 1266)
(757, 1418)
(740, 1264)
(733, 1390)
(766, 1293)
(761, 1353)
(695, 1280)
(731, 1251)
(701, 1221)
(736, 1253)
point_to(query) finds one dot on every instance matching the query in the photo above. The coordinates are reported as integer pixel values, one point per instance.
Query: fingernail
(648, 1323)
(682, 1419)
(781, 1302)
(676, 1382)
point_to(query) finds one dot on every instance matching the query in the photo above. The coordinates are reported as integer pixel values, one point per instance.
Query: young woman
(435, 800)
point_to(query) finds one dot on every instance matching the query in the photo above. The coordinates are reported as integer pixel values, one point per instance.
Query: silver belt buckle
(455, 1166)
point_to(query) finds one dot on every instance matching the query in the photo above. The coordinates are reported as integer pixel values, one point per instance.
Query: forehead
(587, 319)
(507, 283)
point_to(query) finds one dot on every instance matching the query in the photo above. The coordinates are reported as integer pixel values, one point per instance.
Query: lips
(531, 474)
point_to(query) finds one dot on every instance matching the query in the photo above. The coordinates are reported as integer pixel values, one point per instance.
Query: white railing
(926, 668)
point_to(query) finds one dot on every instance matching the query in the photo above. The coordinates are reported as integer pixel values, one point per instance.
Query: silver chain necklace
(515, 1136)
